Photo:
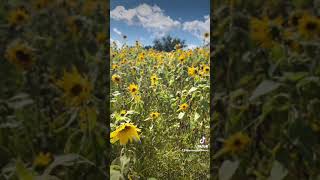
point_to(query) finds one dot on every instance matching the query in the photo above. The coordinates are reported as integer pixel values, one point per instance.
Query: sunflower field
(53, 84)
(266, 122)
(160, 107)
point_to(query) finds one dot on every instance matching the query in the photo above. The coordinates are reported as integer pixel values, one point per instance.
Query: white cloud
(191, 46)
(117, 31)
(118, 43)
(198, 28)
(150, 17)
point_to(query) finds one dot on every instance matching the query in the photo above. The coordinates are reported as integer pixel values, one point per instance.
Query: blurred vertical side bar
(212, 75)
(107, 108)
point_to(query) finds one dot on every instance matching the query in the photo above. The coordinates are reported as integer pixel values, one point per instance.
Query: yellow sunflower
(265, 32)
(295, 17)
(309, 26)
(206, 69)
(236, 143)
(116, 78)
(182, 58)
(184, 106)
(18, 17)
(42, 159)
(154, 80)
(77, 88)
(20, 54)
(192, 71)
(115, 66)
(141, 57)
(125, 133)
(154, 115)
(133, 89)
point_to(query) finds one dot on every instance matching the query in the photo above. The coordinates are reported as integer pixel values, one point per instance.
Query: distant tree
(147, 47)
(168, 43)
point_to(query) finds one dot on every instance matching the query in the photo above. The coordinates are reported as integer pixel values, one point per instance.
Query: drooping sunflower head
(206, 35)
(18, 17)
(43, 159)
(20, 54)
(133, 89)
(184, 107)
(236, 143)
(154, 115)
(116, 78)
(77, 88)
(125, 133)
(309, 26)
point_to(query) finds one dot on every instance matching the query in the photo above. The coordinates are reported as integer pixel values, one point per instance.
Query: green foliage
(168, 43)
(267, 92)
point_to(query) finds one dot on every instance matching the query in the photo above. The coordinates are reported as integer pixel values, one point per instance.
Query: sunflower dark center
(78, 23)
(125, 129)
(237, 143)
(295, 20)
(275, 32)
(20, 17)
(134, 89)
(311, 26)
(23, 56)
(76, 89)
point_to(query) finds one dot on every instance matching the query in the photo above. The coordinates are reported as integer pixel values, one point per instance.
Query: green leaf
(192, 90)
(22, 172)
(196, 116)
(181, 115)
(263, 88)
(115, 172)
(227, 169)
(278, 172)
(124, 160)
(65, 160)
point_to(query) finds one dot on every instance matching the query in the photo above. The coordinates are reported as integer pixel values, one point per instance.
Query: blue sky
(145, 20)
